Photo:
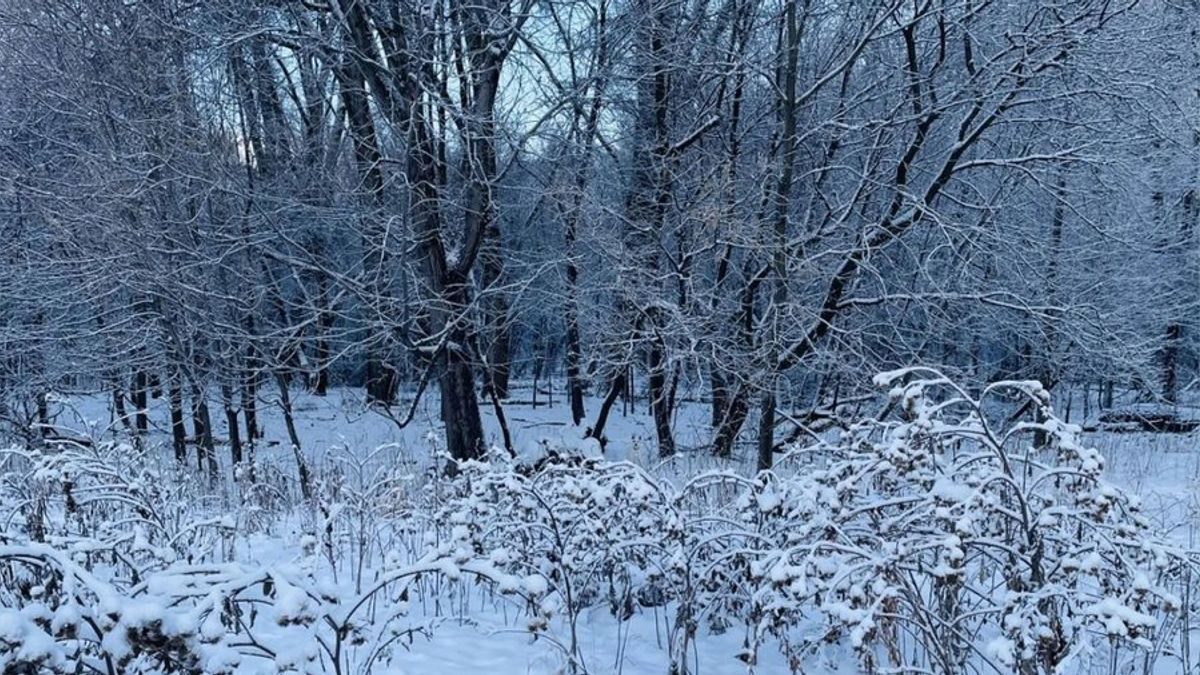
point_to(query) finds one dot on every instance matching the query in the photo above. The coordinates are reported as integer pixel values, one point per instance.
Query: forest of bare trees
(749, 203)
(599, 337)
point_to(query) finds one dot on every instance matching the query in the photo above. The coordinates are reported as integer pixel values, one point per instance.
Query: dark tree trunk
(206, 452)
(324, 326)
(539, 361)
(731, 424)
(178, 432)
(460, 407)
(574, 358)
(629, 394)
(118, 399)
(720, 396)
(140, 397)
(739, 39)
(381, 380)
(499, 335)
(250, 404)
(503, 422)
(43, 414)
(583, 153)
(231, 423)
(647, 201)
(660, 403)
(615, 389)
(737, 401)
(289, 421)
(790, 50)
(406, 102)
(249, 400)
(766, 432)
(1170, 379)
(481, 215)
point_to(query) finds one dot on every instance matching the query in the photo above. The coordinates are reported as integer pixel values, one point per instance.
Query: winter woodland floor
(455, 628)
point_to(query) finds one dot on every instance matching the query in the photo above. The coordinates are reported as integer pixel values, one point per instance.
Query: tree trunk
(503, 422)
(766, 431)
(582, 152)
(250, 404)
(289, 421)
(660, 403)
(460, 407)
(324, 326)
(499, 335)
(739, 39)
(574, 350)
(1170, 377)
(43, 413)
(719, 394)
(141, 401)
(790, 52)
(206, 452)
(481, 215)
(381, 381)
(231, 423)
(647, 201)
(731, 424)
(615, 389)
(737, 403)
(118, 399)
(178, 432)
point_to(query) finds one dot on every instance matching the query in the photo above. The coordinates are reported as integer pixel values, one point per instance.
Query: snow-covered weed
(938, 535)
(932, 537)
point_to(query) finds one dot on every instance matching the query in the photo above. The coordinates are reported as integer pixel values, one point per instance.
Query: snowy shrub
(941, 535)
(590, 532)
(936, 536)
(56, 616)
(115, 498)
(370, 505)
(112, 566)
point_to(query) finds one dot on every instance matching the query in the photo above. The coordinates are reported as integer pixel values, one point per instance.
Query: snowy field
(381, 507)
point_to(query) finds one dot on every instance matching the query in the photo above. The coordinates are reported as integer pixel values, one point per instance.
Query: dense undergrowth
(936, 536)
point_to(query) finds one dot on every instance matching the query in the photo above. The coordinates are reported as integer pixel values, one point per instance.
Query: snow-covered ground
(478, 631)
(1164, 468)
(341, 420)
(337, 430)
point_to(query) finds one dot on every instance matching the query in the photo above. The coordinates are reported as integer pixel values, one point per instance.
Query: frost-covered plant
(115, 499)
(103, 568)
(937, 536)
(369, 505)
(82, 526)
(596, 532)
(941, 536)
(937, 526)
(299, 619)
(57, 616)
